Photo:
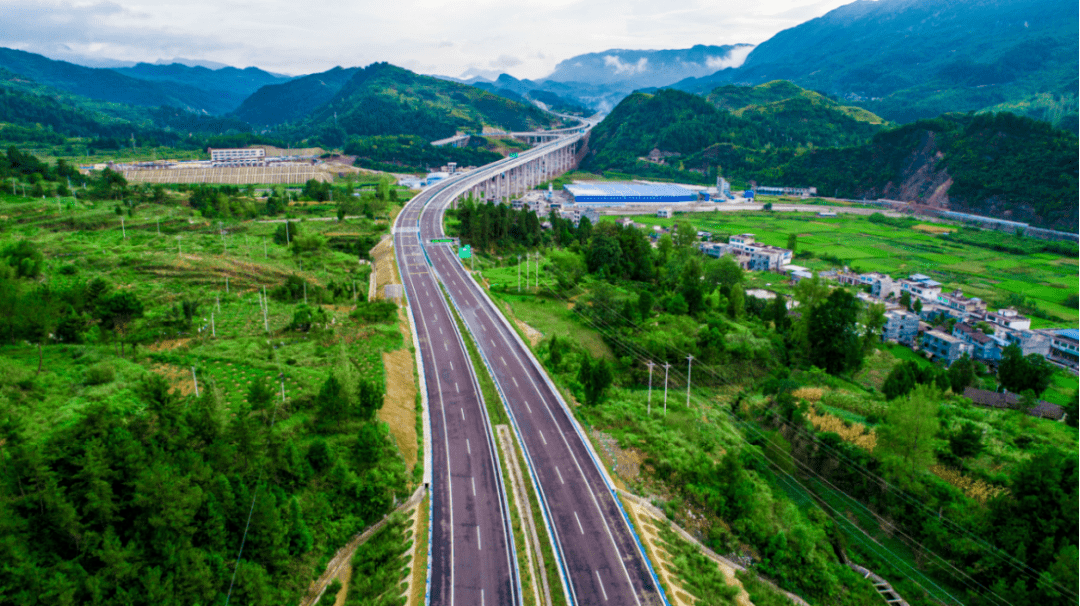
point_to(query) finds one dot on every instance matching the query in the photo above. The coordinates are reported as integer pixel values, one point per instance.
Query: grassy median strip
(558, 595)
(487, 385)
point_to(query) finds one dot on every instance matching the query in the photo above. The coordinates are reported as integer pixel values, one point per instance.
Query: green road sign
(442, 240)
(465, 252)
(513, 155)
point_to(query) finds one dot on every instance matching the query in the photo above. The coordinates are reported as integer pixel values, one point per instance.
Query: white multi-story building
(921, 286)
(881, 286)
(250, 156)
(762, 257)
(1009, 318)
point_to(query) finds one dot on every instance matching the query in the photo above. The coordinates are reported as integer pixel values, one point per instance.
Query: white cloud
(734, 58)
(628, 69)
(448, 38)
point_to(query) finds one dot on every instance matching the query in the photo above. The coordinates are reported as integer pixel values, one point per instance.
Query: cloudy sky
(525, 38)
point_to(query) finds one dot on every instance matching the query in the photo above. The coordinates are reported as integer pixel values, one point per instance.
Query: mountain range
(911, 59)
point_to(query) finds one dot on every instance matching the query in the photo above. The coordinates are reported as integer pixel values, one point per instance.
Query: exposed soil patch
(399, 403)
(534, 336)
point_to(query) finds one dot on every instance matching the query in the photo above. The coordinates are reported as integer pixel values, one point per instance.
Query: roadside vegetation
(786, 453)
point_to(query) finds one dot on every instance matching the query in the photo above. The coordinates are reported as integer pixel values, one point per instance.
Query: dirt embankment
(923, 179)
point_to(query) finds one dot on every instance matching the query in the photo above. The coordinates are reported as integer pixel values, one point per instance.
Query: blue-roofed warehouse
(617, 194)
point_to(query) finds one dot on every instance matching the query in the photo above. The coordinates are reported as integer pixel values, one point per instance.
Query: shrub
(375, 312)
(100, 374)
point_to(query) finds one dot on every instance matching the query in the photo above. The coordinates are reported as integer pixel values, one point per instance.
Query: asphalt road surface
(601, 559)
(472, 560)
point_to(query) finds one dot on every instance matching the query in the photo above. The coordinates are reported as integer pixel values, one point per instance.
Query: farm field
(178, 263)
(1047, 279)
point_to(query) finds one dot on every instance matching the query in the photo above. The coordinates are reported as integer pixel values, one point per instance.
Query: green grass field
(865, 246)
(167, 254)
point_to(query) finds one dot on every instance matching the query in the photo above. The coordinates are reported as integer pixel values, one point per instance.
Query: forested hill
(999, 165)
(526, 91)
(231, 84)
(912, 59)
(292, 101)
(741, 129)
(383, 99)
(34, 113)
(108, 85)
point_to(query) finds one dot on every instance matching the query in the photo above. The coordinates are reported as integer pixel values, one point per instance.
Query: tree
(369, 399)
(917, 307)
(117, 311)
(286, 232)
(684, 235)
(831, 333)
(907, 438)
(260, 394)
(961, 374)
(333, 402)
(792, 242)
(595, 377)
(690, 285)
(722, 272)
(900, 381)
(41, 311)
(905, 299)
(604, 256)
(1019, 373)
(778, 313)
(736, 303)
(25, 258)
(873, 319)
(645, 304)
(966, 442)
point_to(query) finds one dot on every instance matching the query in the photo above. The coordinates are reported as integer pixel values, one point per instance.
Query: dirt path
(384, 266)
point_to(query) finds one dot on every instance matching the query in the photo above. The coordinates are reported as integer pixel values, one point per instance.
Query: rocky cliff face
(924, 178)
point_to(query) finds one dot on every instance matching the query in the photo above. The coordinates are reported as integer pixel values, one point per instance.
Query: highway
(601, 560)
(472, 562)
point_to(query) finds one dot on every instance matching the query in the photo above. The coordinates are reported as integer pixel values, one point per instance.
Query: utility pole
(122, 228)
(305, 292)
(666, 367)
(195, 380)
(650, 387)
(689, 361)
(159, 227)
(213, 327)
(519, 273)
